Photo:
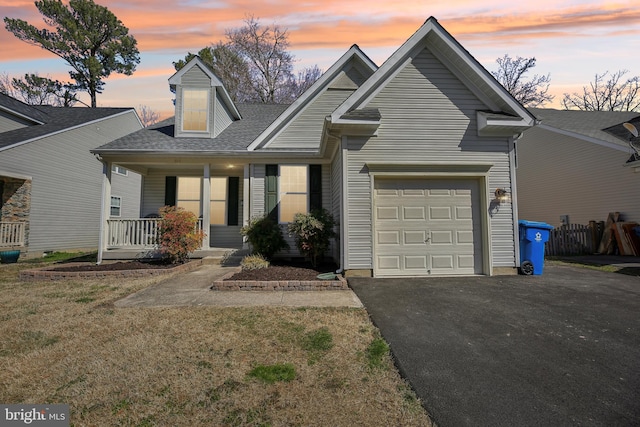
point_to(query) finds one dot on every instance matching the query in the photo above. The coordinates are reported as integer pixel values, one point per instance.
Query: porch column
(105, 209)
(206, 206)
(246, 202)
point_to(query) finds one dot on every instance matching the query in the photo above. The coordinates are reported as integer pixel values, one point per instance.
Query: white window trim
(195, 89)
(111, 206)
(280, 191)
(119, 170)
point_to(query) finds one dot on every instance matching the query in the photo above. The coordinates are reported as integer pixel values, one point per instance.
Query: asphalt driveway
(552, 350)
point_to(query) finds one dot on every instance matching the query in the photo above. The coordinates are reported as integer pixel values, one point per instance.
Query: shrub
(178, 233)
(265, 236)
(254, 262)
(313, 233)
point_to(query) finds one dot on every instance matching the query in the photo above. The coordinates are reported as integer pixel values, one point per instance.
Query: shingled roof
(594, 124)
(53, 120)
(236, 137)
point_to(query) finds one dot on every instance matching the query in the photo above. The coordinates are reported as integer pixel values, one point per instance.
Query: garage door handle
(427, 240)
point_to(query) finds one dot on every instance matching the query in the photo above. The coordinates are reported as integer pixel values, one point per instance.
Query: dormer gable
(203, 106)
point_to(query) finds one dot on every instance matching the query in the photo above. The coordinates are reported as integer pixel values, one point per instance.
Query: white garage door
(427, 227)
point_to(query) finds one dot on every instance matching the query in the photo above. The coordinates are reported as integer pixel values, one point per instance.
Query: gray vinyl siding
(128, 188)
(152, 194)
(428, 116)
(9, 122)
(562, 176)
(305, 131)
(222, 117)
(67, 183)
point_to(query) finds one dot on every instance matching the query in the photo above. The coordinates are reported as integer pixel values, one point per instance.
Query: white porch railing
(138, 233)
(12, 234)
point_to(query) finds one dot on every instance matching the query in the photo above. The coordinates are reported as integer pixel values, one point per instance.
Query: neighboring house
(574, 167)
(50, 182)
(407, 158)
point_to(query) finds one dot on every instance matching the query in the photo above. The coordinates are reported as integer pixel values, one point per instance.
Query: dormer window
(195, 110)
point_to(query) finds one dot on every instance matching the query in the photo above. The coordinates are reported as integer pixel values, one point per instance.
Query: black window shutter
(271, 191)
(315, 187)
(232, 200)
(170, 184)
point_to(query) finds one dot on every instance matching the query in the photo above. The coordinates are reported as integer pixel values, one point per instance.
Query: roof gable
(447, 50)
(21, 110)
(214, 81)
(351, 68)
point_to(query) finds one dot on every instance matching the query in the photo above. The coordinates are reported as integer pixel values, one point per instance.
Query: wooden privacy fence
(574, 239)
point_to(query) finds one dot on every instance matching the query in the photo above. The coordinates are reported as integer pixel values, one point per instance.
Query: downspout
(344, 207)
(514, 195)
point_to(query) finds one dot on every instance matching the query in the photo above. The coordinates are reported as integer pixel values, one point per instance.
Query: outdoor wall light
(501, 195)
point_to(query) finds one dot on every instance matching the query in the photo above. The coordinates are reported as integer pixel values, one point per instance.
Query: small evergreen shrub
(313, 233)
(254, 262)
(265, 236)
(178, 233)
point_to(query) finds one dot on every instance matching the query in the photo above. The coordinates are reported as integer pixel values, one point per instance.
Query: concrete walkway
(192, 289)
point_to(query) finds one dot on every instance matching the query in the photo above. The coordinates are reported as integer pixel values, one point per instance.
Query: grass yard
(65, 342)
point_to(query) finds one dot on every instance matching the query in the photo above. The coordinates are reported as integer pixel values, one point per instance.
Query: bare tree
(5, 85)
(35, 90)
(147, 116)
(614, 94)
(530, 92)
(264, 49)
(255, 65)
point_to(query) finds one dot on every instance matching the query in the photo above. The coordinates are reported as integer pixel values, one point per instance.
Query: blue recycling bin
(533, 236)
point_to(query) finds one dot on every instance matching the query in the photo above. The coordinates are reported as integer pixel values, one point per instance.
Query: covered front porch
(214, 192)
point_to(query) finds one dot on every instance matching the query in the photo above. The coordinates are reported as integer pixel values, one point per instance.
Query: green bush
(254, 262)
(265, 236)
(178, 232)
(313, 233)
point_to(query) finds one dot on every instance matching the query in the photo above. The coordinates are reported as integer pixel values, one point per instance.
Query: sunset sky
(571, 39)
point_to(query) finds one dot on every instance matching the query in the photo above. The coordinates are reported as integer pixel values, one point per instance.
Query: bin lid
(535, 224)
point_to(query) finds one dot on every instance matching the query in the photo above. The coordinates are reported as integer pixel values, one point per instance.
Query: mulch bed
(116, 266)
(285, 271)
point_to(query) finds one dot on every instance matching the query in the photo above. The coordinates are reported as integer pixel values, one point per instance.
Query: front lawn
(65, 342)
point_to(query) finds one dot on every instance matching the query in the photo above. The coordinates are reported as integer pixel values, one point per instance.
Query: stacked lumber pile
(619, 237)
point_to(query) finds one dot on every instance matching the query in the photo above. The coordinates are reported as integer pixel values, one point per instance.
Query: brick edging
(47, 273)
(280, 285)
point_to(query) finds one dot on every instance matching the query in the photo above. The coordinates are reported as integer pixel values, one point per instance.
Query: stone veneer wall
(16, 202)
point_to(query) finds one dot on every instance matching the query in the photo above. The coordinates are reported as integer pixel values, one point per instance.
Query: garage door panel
(465, 261)
(389, 263)
(415, 237)
(464, 212)
(442, 262)
(414, 213)
(388, 213)
(464, 237)
(389, 237)
(439, 213)
(416, 262)
(441, 238)
(427, 226)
